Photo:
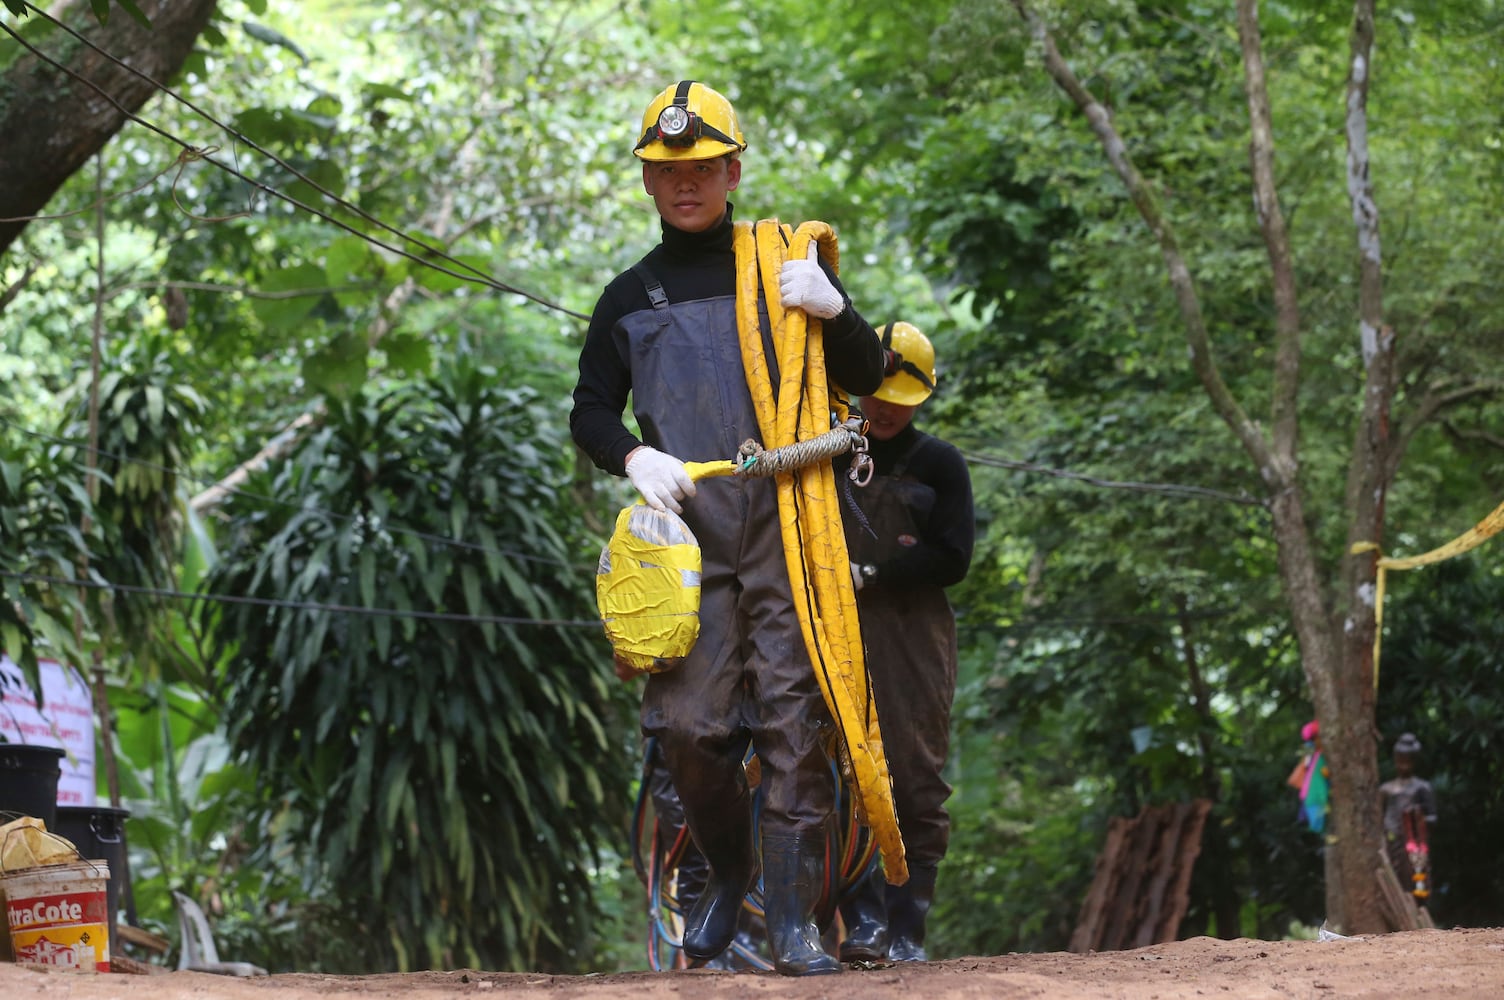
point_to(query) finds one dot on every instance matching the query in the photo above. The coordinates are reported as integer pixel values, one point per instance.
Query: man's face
(886, 419)
(691, 194)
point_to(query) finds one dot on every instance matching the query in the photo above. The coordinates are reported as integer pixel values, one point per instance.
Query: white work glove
(802, 284)
(661, 479)
(856, 577)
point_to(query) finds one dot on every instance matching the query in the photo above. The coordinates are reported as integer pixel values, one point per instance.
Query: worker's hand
(802, 284)
(661, 479)
(856, 576)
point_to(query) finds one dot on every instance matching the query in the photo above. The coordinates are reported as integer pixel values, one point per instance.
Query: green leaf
(135, 12)
(372, 92)
(295, 292)
(324, 178)
(339, 367)
(460, 274)
(351, 260)
(409, 354)
(271, 36)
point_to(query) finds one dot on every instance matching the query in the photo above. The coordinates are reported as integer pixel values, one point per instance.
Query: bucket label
(68, 930)
(49, 911)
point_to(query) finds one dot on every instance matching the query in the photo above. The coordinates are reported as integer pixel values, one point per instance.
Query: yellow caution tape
(1470, 539)
(809, 509)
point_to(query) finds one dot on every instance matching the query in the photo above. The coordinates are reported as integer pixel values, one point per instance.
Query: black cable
(191, 152)
(1166, 489)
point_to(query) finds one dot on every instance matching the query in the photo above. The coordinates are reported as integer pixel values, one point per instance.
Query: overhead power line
(191, 152)
(1166, 489)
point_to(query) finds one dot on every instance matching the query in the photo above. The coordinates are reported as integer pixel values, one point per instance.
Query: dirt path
(1455, 964)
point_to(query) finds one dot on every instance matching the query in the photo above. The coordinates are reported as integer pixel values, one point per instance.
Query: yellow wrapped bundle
(647, 589)
(25, 843)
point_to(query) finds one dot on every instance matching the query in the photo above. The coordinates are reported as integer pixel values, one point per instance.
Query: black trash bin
(28, 781)
(99, 834)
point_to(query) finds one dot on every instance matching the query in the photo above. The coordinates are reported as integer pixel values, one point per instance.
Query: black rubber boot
(724, 836)
(690, 878)
(793, 869)
(908, 907)
(866, 918)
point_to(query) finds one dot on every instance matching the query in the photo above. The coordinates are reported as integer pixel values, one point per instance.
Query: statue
(1409, 806)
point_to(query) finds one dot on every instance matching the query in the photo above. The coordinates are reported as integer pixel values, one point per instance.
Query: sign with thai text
(66, 719)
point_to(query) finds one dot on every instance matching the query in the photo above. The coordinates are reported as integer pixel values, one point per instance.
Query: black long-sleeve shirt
(946, 538)
(690, 266)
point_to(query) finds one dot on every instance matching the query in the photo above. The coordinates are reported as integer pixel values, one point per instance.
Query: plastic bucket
(57, 915)
(98, 832)
(29, 774)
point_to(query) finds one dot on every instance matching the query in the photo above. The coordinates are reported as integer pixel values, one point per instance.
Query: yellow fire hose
(809, 510)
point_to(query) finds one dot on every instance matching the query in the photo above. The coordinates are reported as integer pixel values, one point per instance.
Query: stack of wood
(1400, 907)
(1140, 891)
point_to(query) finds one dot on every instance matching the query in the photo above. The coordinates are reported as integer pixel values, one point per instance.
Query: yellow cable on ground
(1470, 539)
(809, 510)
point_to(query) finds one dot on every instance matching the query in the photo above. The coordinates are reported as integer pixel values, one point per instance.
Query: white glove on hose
(802, 284)
(661, 479)
(856, 577)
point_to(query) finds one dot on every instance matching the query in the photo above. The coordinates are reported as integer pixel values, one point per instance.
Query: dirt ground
(1456, 964)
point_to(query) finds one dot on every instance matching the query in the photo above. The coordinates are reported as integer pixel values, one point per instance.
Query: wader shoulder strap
(656, 294)
(901, 466)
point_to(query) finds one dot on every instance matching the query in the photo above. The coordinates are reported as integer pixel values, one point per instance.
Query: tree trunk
(1352, 745)
(55, 119)
(1336, 647)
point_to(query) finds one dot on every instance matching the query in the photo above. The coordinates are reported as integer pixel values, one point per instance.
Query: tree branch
(9, 295)
(1436, 401)
(1491, 440)
(1277, 473)
(53, 125)
(1284, 409)
(278, 446)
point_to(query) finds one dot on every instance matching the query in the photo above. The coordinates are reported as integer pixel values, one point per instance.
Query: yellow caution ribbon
(1468, 540)
(809, 512)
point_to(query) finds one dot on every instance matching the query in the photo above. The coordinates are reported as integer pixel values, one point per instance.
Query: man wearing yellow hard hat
(914, 538)
(665, 331)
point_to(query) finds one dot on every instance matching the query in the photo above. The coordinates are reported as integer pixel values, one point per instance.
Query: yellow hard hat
(911, 365)
(689, 121)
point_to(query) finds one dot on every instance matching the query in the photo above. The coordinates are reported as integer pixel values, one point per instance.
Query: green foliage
(970, 197)
(455, 775)
(148, 421)
(194, 827)
(43, 505)
(1063, 347)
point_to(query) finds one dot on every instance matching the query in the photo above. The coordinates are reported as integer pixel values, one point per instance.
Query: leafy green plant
(456, 774)
(43, 503)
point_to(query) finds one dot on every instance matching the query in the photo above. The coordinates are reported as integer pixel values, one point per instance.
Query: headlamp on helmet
(676, 126)
(689, 121)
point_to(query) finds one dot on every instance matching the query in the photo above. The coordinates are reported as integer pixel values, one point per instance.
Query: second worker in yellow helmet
(665, 332)
(913, 540)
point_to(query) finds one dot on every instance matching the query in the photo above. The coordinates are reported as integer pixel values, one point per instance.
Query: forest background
(366, 236)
